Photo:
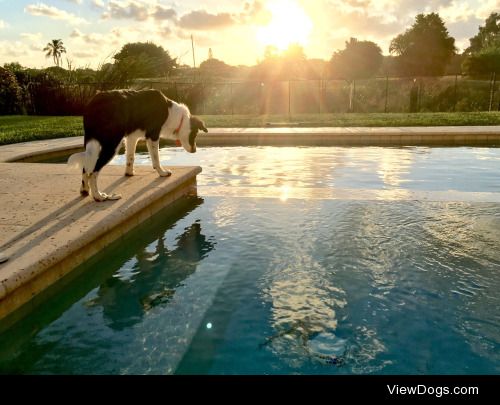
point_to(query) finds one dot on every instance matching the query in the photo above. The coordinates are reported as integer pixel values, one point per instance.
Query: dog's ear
(203, 127)
(199, 124)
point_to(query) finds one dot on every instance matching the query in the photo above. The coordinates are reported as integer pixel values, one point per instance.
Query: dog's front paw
(164, 173)
(129, 173)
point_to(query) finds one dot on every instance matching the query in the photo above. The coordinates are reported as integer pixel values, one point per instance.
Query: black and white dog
(114, 116)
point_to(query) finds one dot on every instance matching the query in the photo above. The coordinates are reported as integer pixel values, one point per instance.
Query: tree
(14, 67)
(424, 49)
(55, 49)
(359, 60)
(294, 53)
(487, 37)
(289, 64)
(143, 60)
(483, 54)
(271, 52)
(215, 67)
(482, 63)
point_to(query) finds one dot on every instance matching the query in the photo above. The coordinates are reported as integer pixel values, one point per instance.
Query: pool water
(291, 260)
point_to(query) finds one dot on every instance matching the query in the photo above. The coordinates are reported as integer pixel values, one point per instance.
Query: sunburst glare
(289, 24)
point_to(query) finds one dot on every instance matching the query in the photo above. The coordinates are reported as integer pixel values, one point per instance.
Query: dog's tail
(77, 160)
(88, 159)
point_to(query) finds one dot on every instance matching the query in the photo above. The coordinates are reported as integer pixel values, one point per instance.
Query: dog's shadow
(57, 220)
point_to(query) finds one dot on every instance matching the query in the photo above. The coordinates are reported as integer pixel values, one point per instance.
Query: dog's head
(187, 137)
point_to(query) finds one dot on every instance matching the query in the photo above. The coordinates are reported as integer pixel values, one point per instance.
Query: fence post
(419, 98)
(386, 92)
(203, 97)
(319, 96)
(289, 100)
(352, 95)
(262, 107)
(492, 89)
(455, 94)
(232, 99)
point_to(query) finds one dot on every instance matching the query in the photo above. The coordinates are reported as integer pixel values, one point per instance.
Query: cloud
(98, 4)
(202, 20)
(130, 9)
(32, 37)
(41, 9)
(255, 13)
(84, 54)
(456, 11)
(487, 7)
(199, 39)
(3, 24)
(92, 38)
(14, 49)
(164, 31)
(362, 20)
(137, 10)
(164, 13)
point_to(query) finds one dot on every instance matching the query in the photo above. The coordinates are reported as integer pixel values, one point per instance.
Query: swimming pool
(291, 260)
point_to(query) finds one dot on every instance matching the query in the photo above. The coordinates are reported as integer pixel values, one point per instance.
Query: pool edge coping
(344, 136)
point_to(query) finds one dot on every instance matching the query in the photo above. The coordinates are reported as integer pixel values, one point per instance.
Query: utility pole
(192, 46)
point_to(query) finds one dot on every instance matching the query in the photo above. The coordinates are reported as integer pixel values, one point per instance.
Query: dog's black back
(112, 115)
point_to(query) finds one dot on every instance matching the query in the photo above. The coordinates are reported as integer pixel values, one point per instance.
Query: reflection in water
(304, 311)
(369, 280)
(153, 279)
(394, 167)
(468, 247)
(297, 167)
(305, 300)
(308, 296)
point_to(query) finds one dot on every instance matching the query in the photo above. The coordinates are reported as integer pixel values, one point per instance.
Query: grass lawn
(15, 129)
(23, 128)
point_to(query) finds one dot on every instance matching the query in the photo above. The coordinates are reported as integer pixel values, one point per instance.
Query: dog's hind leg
(98, 195)
(130, 145)
(84, 189)
(154, 152)
(96, 158)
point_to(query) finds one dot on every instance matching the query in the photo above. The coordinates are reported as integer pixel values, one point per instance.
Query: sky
(237, 31)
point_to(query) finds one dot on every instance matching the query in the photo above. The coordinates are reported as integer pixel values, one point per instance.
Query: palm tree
(55, 49)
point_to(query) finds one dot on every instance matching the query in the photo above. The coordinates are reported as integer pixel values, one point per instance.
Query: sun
(289, 24)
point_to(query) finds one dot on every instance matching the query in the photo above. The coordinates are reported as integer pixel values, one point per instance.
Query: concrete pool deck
(47, 229)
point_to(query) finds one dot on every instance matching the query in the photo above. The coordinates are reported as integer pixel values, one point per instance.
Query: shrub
(10, 93)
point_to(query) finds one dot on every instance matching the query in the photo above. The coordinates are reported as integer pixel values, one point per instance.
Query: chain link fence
(292, 97)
